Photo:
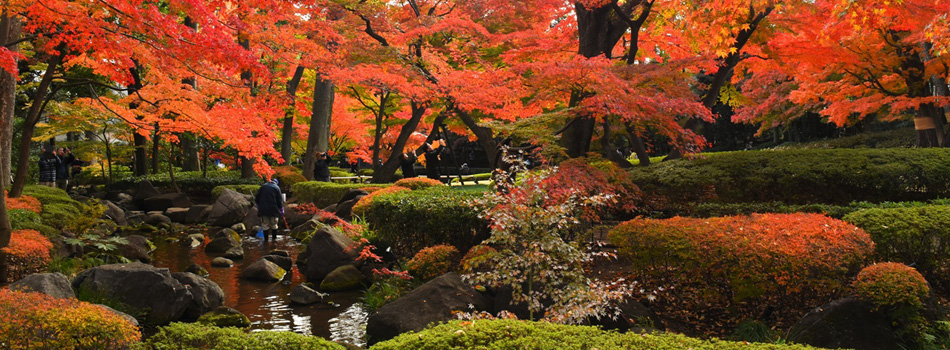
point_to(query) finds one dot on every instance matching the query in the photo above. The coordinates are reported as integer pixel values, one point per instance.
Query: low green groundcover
(513, 334)
(196, 336)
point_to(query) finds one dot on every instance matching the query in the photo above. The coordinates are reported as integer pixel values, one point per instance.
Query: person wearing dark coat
(407, 162)
(321, 167)
(270, 207)
(48, 165)
(65, 164)
(432, 160)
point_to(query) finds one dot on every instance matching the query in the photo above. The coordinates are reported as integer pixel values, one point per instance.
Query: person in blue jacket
(270, 207)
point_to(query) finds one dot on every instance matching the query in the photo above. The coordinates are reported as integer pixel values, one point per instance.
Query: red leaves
(888, 284)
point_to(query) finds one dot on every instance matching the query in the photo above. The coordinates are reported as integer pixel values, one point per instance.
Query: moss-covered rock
(345, 277)
(223, 316)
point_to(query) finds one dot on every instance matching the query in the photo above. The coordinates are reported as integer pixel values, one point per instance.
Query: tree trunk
(387, 170)
(287, 132)
(189, 151)
(484, 135)
(156, 139)
(32, 117)
(321, 113)
(611, 152)
(638, 147)
(247, 164)
(138, 140)
(9, 31)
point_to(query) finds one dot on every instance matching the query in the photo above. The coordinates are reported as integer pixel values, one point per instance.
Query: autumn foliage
(25, 203)
(363, 204)
(433, 262)
(39, 321)
(790, 259)
(416, 183)
(890, 283)
(28, 252)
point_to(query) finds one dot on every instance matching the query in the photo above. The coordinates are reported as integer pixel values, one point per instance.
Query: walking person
(321, 167)
(47, 166)
(270, 207)
(432, 160)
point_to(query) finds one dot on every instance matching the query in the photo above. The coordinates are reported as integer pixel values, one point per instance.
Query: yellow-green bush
(38, 321)
(520, 335)
(323, 194)
(888, 284)
(196, 336)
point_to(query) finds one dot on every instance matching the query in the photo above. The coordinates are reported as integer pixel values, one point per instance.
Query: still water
(339, 318)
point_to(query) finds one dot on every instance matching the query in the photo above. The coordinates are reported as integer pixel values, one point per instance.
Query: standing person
(65, 165)
(270, 207)
(432, 160)
(321, 167)
(47, 167)
(407, 162)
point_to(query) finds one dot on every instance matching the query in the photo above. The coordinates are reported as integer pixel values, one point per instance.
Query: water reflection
(268, 305)
(350, 326)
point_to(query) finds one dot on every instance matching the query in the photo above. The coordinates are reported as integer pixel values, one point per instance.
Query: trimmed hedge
(799, 176)
(412, 220)
(21, 218)
(918, 236)
(39, 321)
(791, 259)
(519, 335)
(245, 189)
(197, 336)
(58, 208)
(889, 284)
(324, 194)
(191, 182)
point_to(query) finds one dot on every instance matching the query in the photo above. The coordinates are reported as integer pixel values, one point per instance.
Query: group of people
(55, 167)
(407, 161)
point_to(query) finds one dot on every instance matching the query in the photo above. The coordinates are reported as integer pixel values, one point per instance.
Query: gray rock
(845, 323)
(302, 294)
(303, 232)
(223, 241)
(177, 214)
(295, 218)
(431, 302)
(167, 200)
(235, 253)
(55, 285)
(137, 248)
(343, 278)
(157, 219)
(285, 262)
(143, 288)
(279, 252)
(230, 208)
(221, 262)
(114, 213)
(239, 227)
(135, 217)
(344, 210)
(207, 294)
(263, 270)
(193, 240)
(143, 190)
(251, 219)
(327, 250)
(126, 316)
(197, 269)
(197, 213)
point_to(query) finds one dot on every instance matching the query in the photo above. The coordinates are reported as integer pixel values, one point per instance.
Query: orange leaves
(25, 203)
(39, 321)
(888, 284)
(28, 252)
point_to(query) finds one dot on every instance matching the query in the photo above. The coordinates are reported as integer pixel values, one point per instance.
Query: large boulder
(156, 218)
(136, 249)
(294, 217)
(263, 270)
(235, 253)
(114, 213)
(303, 294)
(328, 249)
(143, 289)
(167, 200)
(353, 193)
(55, 285)
(143, 190)
(230, 208)
(345, 277)
(303, 232)
(431, 302)
(846, 323)
(251, 219)
(197, 213)
(223, 241)
(207, 294)
(125, 316)
(344, 210)
(285, 262)
(179, 215)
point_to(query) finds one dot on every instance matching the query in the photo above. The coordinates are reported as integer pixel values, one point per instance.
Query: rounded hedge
(433, 262)
(363, 204)
(416, 183)
(800, 176)
(520, 335)
(888, 284)
(197, 336)
(39, 321)
(788, 257)
(917, 235)
(323, 194)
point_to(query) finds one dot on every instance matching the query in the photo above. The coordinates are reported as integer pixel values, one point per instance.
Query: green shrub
(777, 259)
(916, 235)
(49, 195)
(48, 231)
(418, 183)
(413, 220)
(245, 189)
(433, 262)
(23, 219)
(323, 194)
(196, 336)
(514, 334)
(888, 284)
(191, 182)
(799, 176)
(884, 139)
(59, 215)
